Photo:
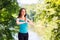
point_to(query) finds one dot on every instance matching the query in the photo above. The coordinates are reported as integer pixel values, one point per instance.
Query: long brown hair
(19, 15)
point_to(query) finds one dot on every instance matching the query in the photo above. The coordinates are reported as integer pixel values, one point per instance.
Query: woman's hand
(31, 22)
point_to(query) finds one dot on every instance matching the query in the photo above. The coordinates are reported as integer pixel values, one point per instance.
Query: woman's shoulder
(27, 18)
(17, 19)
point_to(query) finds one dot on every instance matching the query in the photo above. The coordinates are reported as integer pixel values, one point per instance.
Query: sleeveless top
(23, 28)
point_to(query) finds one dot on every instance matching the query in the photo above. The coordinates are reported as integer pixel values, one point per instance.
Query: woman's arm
(17, 22)
(31, 22)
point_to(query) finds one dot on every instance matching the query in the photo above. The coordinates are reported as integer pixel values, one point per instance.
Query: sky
(27, 1)
(23, 2)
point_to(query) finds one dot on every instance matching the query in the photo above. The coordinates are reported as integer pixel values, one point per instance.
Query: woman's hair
(19, 15)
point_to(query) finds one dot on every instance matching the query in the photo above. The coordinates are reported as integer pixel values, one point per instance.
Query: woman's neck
(22, 16)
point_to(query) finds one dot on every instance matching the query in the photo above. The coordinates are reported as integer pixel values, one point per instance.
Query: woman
(22, 21)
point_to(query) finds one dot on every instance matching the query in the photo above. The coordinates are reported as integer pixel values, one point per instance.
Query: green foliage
(8, 8)
(56, 5)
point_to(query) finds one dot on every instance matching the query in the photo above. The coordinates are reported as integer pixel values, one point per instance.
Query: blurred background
(45, 14)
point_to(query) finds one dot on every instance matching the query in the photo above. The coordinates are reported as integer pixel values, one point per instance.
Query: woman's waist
(23, 33)
(23, 30)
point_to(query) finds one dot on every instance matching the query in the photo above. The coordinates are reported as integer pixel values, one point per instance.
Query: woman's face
(23, 12)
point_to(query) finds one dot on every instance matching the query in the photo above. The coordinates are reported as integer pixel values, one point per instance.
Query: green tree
(55, 4)
(8, 8)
